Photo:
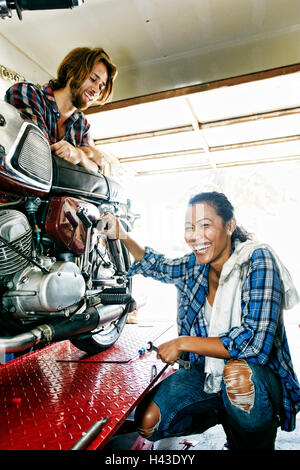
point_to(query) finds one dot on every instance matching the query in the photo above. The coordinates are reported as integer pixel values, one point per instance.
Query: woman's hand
(170, 351)
(111, 227)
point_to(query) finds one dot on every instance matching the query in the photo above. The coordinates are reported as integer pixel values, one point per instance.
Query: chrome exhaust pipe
(109, 313)
(21, 342)
(60, 330)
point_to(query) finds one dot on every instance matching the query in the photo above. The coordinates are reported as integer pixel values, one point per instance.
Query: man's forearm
(86, 161)
(92, 158)
(76, 155)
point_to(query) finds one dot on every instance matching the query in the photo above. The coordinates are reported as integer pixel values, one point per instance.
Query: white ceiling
(161, 45)
(164, 44)
(245, 123)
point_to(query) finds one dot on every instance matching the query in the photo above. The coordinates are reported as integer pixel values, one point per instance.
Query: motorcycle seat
(76, 180)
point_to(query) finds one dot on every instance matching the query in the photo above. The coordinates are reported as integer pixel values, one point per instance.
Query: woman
(231, 296)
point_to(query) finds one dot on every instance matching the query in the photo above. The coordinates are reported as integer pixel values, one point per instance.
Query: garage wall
(15, 60)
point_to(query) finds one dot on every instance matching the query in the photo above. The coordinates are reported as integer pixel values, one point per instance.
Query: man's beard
(76, 96)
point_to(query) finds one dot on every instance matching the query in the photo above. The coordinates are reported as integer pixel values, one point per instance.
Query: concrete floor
(214, 438)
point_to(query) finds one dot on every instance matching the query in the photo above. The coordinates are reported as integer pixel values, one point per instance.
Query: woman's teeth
(201, 248)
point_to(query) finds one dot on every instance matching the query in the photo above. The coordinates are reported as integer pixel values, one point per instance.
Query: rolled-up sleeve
(261, 305)
(159, 267)
(28, 99)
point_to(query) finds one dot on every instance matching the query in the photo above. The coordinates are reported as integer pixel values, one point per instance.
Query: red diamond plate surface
(134, 337)
(50, 397)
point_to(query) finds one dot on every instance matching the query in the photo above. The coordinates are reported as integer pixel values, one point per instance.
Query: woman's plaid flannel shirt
(261, 338)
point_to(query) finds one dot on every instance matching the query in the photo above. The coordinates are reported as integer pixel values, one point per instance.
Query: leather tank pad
(76, 180)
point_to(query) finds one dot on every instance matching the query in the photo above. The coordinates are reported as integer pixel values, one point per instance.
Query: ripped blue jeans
(185, 408)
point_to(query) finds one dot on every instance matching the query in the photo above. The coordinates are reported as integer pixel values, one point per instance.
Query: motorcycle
(59, 277)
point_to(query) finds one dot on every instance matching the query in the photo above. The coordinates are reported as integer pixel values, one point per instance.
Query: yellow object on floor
(132, 317)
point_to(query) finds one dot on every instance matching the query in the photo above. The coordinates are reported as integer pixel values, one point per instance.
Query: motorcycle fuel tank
(63, 224)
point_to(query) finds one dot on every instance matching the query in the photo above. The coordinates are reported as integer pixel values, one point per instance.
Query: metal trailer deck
(51, 397)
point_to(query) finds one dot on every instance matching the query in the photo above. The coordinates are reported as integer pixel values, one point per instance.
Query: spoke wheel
(104, 337)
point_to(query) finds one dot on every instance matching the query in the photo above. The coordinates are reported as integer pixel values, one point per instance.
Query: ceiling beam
(143, 135)
(205, 125)
(246, 78)
(199, 132)
(219, 148)
(206, 167)
(252, 117)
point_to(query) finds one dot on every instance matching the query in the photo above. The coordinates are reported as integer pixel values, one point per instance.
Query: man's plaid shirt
(261, 338)
(39, 106)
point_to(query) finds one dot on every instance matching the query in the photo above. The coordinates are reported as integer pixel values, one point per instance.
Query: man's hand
(96, 156)
(88, 157)
(68, 152)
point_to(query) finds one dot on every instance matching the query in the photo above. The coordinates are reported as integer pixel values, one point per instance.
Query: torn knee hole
(148, 431)
(239, 386)
(148, 419)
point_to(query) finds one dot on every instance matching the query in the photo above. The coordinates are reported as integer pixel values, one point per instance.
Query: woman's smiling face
(207, 235)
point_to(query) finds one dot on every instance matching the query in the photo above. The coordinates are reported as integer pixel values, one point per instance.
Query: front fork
(117, 253)
(114, 247)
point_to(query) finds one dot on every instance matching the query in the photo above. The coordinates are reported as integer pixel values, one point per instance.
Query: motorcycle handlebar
(7, 5)
(43, 4)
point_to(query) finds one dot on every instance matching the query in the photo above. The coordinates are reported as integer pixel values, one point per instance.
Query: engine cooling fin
(16, 232)
(115, 299)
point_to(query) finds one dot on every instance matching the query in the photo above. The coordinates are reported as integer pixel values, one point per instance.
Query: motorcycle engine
(15, 229)
(30, 292)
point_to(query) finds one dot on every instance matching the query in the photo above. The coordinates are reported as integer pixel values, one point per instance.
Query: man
(85, 76)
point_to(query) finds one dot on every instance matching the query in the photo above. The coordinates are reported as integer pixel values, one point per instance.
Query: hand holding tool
(186, 364)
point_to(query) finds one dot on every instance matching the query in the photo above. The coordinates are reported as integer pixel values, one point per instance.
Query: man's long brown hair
(79, 63)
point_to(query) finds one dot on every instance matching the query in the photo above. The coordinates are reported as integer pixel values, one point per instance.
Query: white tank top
(207, 311)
